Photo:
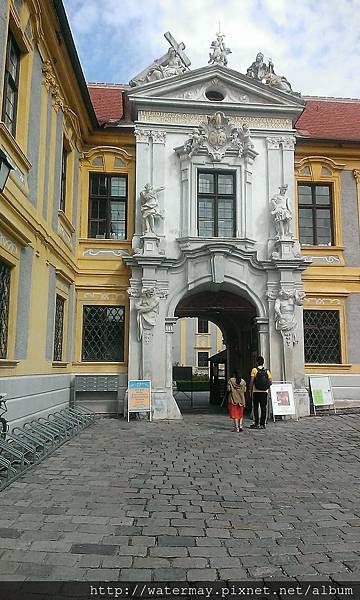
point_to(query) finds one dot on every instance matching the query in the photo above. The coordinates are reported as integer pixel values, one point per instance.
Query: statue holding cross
(174, 62)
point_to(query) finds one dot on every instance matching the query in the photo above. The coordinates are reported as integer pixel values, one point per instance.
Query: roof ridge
(332, 99)
(106, 85)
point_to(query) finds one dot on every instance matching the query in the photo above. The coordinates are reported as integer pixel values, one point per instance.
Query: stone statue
(147, 311)
(218, 51)
(277, 81)
(246, 136)
(285, 321)
(281, 213)
(194, 142)
(149, 206)
(264, 72)
(174, 62)
(258, 69)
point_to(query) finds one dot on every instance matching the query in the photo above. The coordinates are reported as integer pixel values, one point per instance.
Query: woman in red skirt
(236, 400)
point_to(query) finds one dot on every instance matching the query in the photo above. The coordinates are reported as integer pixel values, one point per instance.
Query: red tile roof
(108, 102)
(330, 118)
(322, 118)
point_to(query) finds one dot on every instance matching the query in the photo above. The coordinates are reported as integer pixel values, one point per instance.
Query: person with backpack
(236, 388)
(260, 383)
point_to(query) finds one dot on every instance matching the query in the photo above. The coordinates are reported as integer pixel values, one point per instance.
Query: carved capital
(287, 142)
(356, 173)
(273, 143)
(158, 137)
(142, 135)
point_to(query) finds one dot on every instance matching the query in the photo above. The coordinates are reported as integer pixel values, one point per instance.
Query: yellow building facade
(50, 269)
(332, 282)
(67, 224)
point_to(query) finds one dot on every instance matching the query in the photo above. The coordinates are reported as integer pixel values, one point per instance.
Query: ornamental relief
(193, 119)
(217, 136)
(322, 301)
(8, 244)
(52, 85)
(112, 296)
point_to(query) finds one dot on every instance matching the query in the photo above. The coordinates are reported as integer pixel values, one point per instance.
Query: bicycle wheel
(3, 428)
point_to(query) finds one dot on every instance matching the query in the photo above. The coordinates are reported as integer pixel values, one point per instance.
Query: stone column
(263, 330)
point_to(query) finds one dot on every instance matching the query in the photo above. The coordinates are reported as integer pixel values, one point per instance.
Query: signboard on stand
(321, 391)
(282, 399)
(139, 397)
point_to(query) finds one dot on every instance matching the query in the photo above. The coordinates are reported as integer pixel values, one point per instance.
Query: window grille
(107, 206)
(216, 204)
(322, 340)
(103, 333)
(315, 214)
(59, 328)
(4, 307)
(11, 84)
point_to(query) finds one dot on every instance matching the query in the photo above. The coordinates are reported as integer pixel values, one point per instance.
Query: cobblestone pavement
(190, 501)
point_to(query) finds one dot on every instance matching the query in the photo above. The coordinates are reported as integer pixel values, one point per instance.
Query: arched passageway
(235, 315)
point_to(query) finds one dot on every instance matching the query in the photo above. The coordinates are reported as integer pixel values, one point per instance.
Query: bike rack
(28, 445)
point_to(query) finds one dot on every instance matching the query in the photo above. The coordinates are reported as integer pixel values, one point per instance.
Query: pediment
(230, 87)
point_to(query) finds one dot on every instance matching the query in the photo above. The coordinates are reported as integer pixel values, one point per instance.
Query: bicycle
(4, 427)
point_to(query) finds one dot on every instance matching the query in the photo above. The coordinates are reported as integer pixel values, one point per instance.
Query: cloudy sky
(314, 43)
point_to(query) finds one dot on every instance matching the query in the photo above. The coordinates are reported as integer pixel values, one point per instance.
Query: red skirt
(235, 411)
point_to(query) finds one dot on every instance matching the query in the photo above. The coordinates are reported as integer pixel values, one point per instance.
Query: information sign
(139, 396)
(321, 391)
(282, 399)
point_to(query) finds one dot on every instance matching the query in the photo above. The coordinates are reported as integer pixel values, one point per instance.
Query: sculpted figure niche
(149, 206)
(285, 321)
(281, 213)
(147, 310)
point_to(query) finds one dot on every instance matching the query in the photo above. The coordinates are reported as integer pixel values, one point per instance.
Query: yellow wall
(98, 279)
(328, 285)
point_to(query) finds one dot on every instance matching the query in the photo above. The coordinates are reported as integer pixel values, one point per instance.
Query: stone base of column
(164, 406)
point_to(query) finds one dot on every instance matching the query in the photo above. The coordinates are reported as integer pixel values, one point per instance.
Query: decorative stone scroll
(284, 314)
(51, 85)
(217, 136)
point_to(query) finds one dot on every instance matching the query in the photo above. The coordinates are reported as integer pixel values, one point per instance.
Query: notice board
(321, 390)
(282, 399)
(139, 396)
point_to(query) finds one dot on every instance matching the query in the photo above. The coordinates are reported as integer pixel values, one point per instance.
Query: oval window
(214, 96)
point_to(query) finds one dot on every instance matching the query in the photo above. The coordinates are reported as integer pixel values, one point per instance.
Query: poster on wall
(282, 399)
(139, 396)
(321, 390)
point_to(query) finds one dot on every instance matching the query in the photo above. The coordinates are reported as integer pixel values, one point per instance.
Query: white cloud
(314, 43)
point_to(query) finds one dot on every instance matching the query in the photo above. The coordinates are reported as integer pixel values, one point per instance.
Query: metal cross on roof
(179, 48)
